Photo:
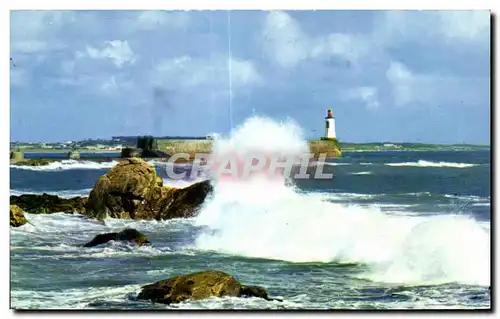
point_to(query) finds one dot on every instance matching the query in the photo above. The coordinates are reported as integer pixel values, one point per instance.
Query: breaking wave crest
(67, 165)
(422, 163)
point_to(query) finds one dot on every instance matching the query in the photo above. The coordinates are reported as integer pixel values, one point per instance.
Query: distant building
(212, 136)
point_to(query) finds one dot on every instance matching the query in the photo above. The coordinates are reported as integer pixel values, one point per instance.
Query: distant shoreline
(332, 149)
(63, 151)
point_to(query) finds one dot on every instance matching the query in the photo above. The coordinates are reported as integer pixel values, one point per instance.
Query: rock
(199, 285)
(32, 162)
(46, 204)
(132, 190)
(329, 147)
(128, 234)
(17, 216)
(153, 154)
(254, 291)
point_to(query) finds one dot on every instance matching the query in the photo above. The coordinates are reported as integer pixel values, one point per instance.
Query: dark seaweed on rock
(46, 204)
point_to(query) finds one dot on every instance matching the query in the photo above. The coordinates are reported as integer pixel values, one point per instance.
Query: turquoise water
(392, 230)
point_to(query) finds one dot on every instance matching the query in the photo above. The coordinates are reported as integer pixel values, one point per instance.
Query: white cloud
(118, 51)
(284, 39)
(402, 81)
(366, 94)
(115, 84)
(244, 72)
(187, 72)
(431, 89)
(36, 32)
(430, 26)
(466, 25)
(340, 45)
(286, 43)
(154, 19)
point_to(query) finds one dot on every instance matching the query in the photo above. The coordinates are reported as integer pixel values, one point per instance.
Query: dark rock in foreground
(17, 216)
(46, 204)
(200, 285)
(128, 234)
(132, 190)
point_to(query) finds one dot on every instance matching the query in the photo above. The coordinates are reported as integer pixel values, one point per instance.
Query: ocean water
(391, 230)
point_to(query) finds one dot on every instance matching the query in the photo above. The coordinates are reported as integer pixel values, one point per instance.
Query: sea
(390, 230)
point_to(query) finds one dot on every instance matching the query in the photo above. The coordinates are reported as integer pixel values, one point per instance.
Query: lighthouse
(330, 126)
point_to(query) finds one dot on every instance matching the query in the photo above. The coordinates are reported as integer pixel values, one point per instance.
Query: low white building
(212, 136)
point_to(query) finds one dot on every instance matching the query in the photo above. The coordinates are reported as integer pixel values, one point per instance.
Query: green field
(386, 146)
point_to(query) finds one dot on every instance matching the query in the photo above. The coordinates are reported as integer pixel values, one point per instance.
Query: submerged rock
(46, 204)
(132, 190)
(32, 162)
(199, 285)
(128, 234)
(17, 216)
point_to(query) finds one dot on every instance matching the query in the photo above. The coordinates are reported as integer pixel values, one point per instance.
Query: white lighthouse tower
(330, 126)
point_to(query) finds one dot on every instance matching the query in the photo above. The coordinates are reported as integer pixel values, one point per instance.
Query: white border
(255, 5)
(182, 5)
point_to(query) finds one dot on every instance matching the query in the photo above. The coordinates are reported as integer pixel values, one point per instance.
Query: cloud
(340, 45)
(119, 52)
(434, 89)
(366, 94)
(149, 20)
(284, 40)
(450, 27)
(402, 81)
(374, 60)
(18, 77)
(187, 72)
(287, 44)
(114, 84)
(36, 32)
(466, 25)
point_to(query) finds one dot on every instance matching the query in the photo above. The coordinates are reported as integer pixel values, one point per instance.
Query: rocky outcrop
(46, 204)
(17, 216)
(330, 148)
(31, 162)
(132, 190)
(199, 285)
(128, 234)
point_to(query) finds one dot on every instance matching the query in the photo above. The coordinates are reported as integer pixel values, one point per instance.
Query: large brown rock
(46, 204)
(17, 216)
(132, 190)
(199, 285)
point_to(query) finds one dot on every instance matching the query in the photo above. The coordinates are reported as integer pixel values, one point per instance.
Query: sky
(400, 76)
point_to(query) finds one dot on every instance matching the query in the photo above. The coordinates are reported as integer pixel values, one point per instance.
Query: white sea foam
(471, 198)
(336, 164)
(361, 173)
(267, 219)
(422, 163)
(67, 165)
(64, 194)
